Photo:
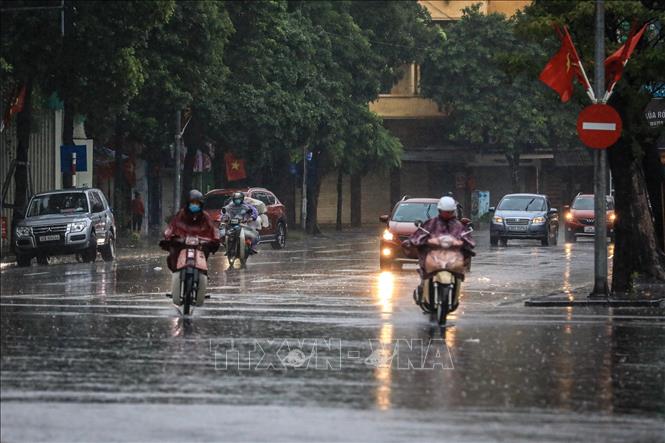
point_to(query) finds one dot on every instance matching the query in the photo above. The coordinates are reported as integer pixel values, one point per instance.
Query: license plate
(517, 228)
(49, 238)
(590, 229)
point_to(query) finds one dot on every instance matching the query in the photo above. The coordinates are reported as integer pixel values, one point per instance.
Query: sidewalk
(651, 296)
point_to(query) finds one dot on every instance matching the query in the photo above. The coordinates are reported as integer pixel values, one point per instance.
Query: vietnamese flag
(559, 72)
(235, 167)
(14, 107)
(614, 63)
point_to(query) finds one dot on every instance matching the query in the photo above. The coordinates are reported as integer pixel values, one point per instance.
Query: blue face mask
(194, 208)
(237, 202)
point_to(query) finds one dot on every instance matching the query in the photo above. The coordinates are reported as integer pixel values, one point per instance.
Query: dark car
(69, 221)
(399, 226)
(524, 216)
(580, 217)
(276, 231)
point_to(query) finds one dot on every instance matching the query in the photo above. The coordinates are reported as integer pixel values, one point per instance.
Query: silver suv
(69, 221)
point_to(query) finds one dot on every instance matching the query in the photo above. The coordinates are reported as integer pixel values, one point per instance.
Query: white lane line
(599, 126)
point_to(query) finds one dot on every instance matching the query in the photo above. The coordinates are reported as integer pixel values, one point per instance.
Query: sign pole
(600, 288)
(177, 193)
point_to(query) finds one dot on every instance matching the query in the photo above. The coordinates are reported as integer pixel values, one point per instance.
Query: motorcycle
(237, 246)
(439, 294)
(192, 267)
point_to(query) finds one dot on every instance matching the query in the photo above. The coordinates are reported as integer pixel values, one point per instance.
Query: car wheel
(494, 241)
(386, 265)
(503, 241)
(42, 260)
(90, 254)
(570, 237)
(280, 239)
(546, 240)
(108, 250)
(23, 260)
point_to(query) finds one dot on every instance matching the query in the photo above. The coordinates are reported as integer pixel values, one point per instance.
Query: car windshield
(410, 212)
(586, 204)
(61, 203)
(522, 203)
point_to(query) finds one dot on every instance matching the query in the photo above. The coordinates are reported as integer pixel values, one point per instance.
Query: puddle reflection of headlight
(386, 287)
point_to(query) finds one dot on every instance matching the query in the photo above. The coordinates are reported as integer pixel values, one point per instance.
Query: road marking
(599, 126)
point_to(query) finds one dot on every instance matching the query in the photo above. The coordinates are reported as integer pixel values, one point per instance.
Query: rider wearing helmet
(445, 223)
(189, 221)
(238, 208)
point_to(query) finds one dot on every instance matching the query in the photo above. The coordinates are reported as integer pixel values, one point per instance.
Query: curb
(554, 301)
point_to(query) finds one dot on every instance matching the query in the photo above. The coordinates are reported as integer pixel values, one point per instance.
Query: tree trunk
(340, 200)
(23, 128)
(356, 201)
(637, 254)
(283, 184)
(219, 168)
(67, 139)
(654, 173)
(313, 191)
(395, 186)
(120, 188)
(187, 172)
(514, 164)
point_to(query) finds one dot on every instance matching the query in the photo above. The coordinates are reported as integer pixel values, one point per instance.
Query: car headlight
(23, 231)
(538, 220)
(498, 219)
(387, 235)
(77, 226)
(613, 217)
(569, 216)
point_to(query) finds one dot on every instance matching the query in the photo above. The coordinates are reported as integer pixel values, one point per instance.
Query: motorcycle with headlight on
(236, 245)
(444, 264)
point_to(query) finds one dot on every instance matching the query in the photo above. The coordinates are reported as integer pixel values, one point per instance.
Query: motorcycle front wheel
(188, 289)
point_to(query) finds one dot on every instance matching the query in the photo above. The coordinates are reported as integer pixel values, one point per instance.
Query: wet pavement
(313, 343)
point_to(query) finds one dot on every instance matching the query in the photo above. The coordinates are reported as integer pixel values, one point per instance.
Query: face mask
(237, 202)
(194, 208)
(447, 215)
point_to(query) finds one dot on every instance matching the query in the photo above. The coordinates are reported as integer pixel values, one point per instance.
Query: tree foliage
(484, 77)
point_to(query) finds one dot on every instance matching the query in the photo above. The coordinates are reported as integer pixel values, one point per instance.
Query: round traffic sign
(599, 126)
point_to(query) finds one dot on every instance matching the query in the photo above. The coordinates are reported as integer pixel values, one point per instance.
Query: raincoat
(185, 223)
(438, 228)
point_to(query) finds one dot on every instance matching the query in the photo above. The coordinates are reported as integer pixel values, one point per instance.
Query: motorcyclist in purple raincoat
(446, 223)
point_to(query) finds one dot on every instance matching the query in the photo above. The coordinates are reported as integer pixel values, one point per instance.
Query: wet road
(313, 343)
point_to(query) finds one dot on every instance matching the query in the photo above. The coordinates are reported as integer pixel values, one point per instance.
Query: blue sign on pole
(66, 152)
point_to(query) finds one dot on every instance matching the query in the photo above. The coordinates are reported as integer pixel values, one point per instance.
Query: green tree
(482, 77)
(635, 166)
(93, 67)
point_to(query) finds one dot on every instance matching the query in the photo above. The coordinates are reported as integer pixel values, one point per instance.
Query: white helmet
(447, 204)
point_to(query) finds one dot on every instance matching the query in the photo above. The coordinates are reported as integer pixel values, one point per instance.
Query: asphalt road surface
(313, 343)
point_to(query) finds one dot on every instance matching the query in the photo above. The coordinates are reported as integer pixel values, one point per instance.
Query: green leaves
(485, 75)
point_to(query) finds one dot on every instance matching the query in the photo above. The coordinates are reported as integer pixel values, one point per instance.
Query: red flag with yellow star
(235, 167)
(559, 72)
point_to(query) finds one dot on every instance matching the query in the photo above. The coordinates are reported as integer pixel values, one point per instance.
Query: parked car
(399, 226)
(524, 216)
(580, 218)
(68, 221)
(276, 231)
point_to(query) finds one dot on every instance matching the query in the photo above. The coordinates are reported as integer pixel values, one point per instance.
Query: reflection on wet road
(316, 330)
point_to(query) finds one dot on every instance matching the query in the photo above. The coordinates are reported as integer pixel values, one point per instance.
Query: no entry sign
(599, 126)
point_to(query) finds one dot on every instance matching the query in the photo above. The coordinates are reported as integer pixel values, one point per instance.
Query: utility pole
(600, 289)
(176, 188)
(303, 208)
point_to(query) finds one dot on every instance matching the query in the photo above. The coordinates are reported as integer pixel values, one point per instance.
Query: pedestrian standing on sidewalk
(138, 211)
